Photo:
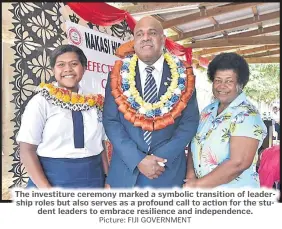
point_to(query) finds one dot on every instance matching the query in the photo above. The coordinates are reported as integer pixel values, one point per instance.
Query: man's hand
(151, 167)
(107, 186)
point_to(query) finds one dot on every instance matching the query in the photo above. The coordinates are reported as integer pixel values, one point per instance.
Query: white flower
(127, 59)
(176, 59)
(127, 93)
(164, 110)
(142, 110)
(124, 74)
(177, 91)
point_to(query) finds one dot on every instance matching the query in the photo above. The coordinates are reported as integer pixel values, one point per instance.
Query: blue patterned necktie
(78, 129)
(150, 96)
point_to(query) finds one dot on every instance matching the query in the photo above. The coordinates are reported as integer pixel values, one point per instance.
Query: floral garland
(70, 100)
(158, 115)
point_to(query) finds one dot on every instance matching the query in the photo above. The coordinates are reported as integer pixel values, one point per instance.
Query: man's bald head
(149, 39)
(149, 20)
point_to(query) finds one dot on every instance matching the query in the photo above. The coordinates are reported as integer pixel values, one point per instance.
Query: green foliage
(264, 82)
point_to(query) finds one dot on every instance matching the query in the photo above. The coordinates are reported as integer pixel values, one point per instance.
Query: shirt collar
(158, 64)
(236, 102)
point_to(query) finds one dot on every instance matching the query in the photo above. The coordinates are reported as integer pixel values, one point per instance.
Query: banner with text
(99, 49)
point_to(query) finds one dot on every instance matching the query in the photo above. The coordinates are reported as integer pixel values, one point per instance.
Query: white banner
(99, 49)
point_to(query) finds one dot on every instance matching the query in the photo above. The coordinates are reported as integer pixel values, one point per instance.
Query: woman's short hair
(230, 61)
(67, 48)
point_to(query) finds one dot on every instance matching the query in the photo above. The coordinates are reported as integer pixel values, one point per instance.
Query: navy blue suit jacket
(129, 147)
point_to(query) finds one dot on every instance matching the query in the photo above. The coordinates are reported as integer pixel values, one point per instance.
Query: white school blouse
(51, 128)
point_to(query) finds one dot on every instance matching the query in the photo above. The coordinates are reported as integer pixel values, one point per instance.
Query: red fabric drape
(100, 13)
(179, 50)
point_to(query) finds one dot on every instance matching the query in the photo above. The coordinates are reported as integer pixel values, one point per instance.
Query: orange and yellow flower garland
(141, 120)
(71, 98)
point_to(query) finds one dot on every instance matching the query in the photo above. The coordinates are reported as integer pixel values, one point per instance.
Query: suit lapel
(166, 77)
(138, 80)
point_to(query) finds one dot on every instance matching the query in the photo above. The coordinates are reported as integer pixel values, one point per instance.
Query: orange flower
(100, 100)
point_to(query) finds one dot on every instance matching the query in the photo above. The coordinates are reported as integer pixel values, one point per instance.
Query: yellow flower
(74, 99)
(173, 84)
(133, 91)
(53, 91)
(173, 66)
(66, 98)
(138, 99)
(134, 57)
(49, 86)
(131, 68)
(91, 102)
(59, 95)
(42, 84)
(148, 106)
(168, 94)
(132, 83)
(157, 105)
(81, 99)
(130, 78)
(163, 98)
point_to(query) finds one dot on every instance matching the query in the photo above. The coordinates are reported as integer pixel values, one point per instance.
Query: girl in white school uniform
(61, 131)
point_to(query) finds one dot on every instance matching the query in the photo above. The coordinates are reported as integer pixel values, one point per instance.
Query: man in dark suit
(143, 158)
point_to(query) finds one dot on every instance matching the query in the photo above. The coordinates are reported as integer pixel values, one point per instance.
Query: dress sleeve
(33, 121)
(248, 125)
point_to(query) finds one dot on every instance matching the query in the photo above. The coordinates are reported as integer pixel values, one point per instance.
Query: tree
(263, 85)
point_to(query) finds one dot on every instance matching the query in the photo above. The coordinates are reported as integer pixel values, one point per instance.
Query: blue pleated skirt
(72, 173)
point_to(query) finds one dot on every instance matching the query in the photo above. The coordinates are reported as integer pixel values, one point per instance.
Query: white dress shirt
(51, 128)
(157, 72)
